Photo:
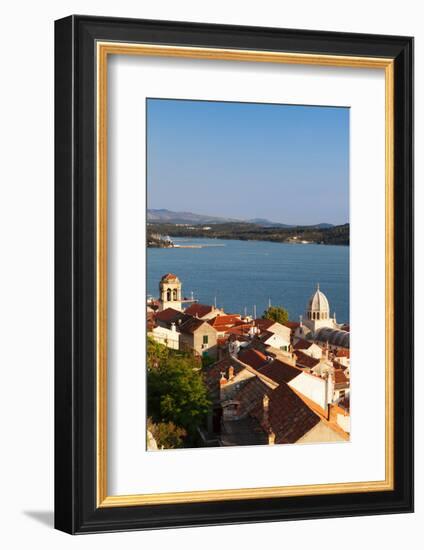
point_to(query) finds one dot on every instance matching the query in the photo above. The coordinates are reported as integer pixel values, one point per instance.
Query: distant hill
(168, 216)
(163, 215)
(244, 231)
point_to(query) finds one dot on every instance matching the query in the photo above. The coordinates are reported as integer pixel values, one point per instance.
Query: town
(266, 381)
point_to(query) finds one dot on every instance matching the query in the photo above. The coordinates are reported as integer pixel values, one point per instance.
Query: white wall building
(168, 337)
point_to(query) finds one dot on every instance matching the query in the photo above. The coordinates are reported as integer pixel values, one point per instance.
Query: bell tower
(170, 292)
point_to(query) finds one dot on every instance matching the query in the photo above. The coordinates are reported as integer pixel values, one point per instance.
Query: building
(198, 336)
(168, 337)
(203, 311)
(308, 348)
(261, 400)
(170, 292)
(319, 326)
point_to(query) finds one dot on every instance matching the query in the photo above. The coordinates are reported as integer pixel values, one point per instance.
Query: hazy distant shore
(336, 235)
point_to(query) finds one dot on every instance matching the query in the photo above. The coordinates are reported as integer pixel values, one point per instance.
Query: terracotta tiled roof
(279, 372)
(305, 361)
(241, 329)
(250, 395)
(192, 324)
(221, 322)
(337, 365)
(302, 344)
(288, 416)
(265, 335)
(264, 324)
(340, 379)
(253, 358)
(342, 352)
(212, 374)
(168, 315)
(198, 310)
(169, 277)
(291, 325)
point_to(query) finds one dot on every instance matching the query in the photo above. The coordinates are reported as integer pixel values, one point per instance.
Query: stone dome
(319, 302)
(318, 307)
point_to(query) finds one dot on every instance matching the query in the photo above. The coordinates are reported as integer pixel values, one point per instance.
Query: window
(205, 339)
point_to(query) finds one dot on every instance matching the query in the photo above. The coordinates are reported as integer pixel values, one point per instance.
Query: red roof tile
(302, 344)
(279, 372)
(340, 378)
(291, 324)
(169, 277)
(241, 329)
(168, 315)
(253, 358)
(305, 361)
(288, 416)
(264, 324)
(198, 310)
(220, 322)
(250, 395)
(192, 324)
(212, 374)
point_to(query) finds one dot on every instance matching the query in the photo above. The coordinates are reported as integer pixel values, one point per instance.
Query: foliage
(276, 313)
(167, 434)
(207, 360)
(175, 388)
(338, 234)
(156, 353)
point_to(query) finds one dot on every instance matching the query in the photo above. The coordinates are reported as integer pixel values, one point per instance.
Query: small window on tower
(205, 339)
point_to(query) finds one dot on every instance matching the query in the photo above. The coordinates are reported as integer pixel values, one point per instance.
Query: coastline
(229, 238)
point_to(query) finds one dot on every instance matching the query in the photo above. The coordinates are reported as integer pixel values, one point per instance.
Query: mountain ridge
(163, 215)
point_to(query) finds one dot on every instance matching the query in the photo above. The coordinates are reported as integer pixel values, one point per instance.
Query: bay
(242, 274)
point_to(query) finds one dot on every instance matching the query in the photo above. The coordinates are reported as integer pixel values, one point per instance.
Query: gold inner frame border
(103, 50)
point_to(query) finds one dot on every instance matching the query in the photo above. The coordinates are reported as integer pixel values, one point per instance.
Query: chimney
(222, 380)
(230, 373)
(173, 327)
(271, 437)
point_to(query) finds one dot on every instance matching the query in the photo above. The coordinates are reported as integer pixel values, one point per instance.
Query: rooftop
(279, 372)
(288, 416)
(252, 357)
(199, 310)
(305, 361)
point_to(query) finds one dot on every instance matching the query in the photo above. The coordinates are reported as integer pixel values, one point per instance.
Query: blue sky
(286, 163)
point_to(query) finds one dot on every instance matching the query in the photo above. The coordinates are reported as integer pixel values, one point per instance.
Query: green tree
(156, 353)
(176, 391)
(167, 434)
(276, 313)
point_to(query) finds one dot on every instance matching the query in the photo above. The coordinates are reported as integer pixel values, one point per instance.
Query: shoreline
(296, 243)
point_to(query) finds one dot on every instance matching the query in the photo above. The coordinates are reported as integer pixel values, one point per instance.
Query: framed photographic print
(234, 274)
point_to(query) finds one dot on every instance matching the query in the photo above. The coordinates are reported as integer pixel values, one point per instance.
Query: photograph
(247, 252)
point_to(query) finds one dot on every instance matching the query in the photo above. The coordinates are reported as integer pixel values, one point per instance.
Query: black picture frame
(76, 510)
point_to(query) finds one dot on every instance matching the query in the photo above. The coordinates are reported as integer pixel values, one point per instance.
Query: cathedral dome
(318, 306)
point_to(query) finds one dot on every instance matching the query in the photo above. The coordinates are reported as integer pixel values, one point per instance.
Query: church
(319, 326)
(170, 292)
